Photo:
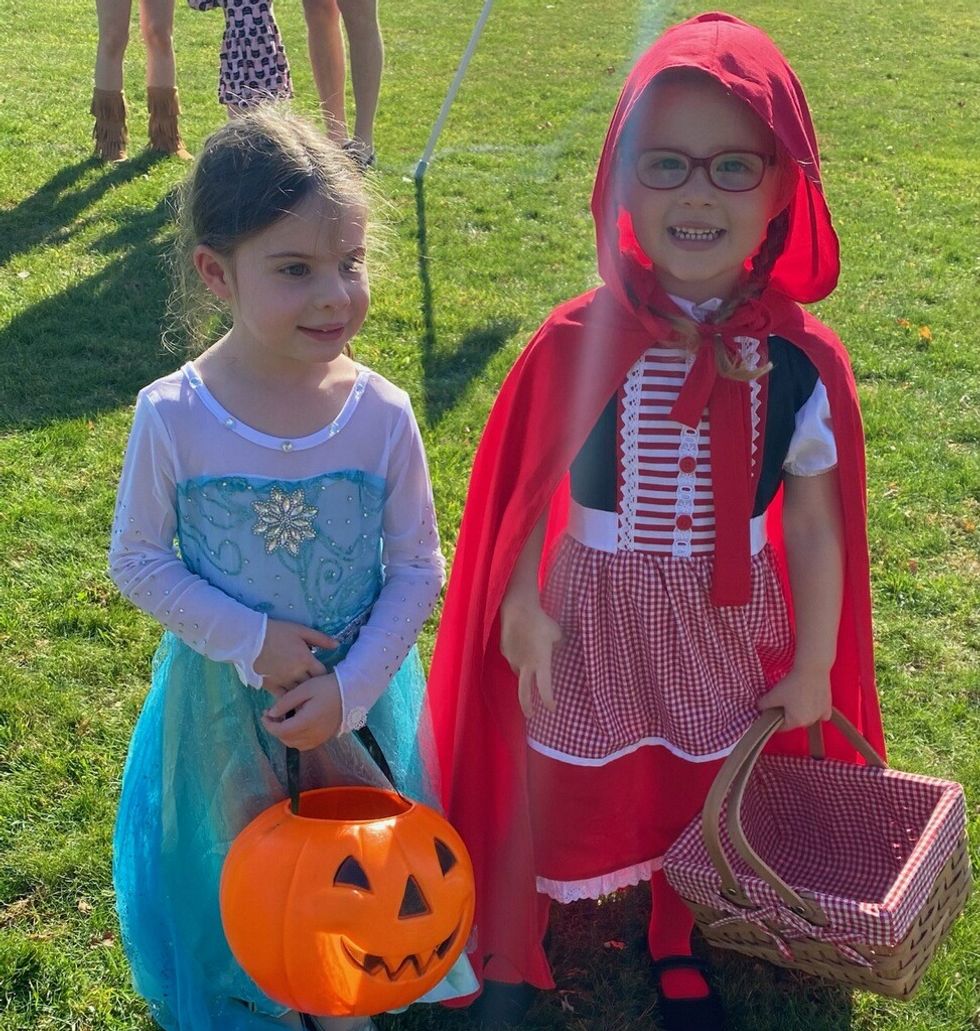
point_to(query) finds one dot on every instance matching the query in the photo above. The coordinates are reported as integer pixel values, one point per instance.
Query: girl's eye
(298, 270)
(352, 265)
(665, 163)
(740, 167)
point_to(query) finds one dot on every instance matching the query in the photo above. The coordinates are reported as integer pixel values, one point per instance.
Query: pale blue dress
(335, 531)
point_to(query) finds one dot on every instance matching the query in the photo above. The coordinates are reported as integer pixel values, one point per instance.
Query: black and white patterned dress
(253, 64)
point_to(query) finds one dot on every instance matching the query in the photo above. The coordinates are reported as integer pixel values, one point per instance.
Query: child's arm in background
(815, 556)
(527, 633)
(414, 572)
(142, 562)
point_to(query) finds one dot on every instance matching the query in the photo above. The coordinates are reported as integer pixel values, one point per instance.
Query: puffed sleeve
(414, 571)
(812, 449)
(146, 568)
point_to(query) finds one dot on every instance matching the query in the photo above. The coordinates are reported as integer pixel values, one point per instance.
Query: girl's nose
(698, 187)
(331, 291)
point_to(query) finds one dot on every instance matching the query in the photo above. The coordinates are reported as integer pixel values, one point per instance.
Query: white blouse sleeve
(146, 568)
(414, 571)
(812, 449)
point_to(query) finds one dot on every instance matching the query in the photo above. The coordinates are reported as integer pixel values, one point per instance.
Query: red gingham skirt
(647, 659)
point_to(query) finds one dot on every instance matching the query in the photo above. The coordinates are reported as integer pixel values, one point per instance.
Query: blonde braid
(753, 285)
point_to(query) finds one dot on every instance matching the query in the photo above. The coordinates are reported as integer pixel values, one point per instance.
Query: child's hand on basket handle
(803, 695)
(527, 633)
(286, 659)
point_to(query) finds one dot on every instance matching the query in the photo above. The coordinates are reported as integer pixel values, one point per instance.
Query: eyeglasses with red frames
(734, 171)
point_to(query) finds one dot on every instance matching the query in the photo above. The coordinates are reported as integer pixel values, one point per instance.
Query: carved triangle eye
(446, 858)
(351, 874)
(413, 902)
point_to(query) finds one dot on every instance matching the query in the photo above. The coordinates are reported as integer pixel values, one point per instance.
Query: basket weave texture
(877, 858)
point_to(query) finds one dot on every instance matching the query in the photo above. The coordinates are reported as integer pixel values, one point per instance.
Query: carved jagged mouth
(395, 967)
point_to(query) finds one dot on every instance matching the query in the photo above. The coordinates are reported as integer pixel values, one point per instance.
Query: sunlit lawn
(894, 89)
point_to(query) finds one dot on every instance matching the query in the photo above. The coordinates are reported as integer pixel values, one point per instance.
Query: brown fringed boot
(164, 107)
(109, 131)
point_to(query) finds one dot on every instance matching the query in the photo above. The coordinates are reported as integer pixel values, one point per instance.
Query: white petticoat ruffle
(604, 884)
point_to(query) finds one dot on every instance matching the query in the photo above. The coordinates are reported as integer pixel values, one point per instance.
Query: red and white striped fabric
(666, 498)
(867, 843)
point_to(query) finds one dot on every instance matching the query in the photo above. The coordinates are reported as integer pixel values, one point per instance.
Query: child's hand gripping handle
(733, 778)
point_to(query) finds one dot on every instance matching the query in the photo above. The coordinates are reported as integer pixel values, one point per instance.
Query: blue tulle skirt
(200, 767)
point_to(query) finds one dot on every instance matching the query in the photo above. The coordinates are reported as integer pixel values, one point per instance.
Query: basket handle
(733, 778)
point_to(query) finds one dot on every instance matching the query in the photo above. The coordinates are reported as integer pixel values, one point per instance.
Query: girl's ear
(214, 270)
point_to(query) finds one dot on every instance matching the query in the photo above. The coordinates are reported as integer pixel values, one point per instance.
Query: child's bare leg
(366, 64)
(108, 103)
(157, 28)
(326, 46)
(113, 17)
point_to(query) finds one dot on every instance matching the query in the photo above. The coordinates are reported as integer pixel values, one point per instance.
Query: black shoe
(362, 158)
(502, 1003)
(703, 1013)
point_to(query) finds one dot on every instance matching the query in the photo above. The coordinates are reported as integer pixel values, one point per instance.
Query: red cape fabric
(546, 407)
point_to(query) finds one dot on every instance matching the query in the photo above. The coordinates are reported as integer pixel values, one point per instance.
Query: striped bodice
(666, 502)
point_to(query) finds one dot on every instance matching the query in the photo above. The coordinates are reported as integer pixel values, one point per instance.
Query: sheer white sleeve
(414, 571)
(812, 449)
(147, 570)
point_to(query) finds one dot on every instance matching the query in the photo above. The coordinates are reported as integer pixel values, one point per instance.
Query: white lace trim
(629, 439)
(355, 719)
(749, 354)
(597, 887)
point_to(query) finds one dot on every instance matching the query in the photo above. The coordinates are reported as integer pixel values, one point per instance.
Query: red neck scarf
(735, 475)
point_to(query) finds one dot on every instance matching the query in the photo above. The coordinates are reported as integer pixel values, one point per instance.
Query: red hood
(746, 62)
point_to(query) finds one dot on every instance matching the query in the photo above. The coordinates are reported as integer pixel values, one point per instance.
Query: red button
(687, 464)
(684, 522)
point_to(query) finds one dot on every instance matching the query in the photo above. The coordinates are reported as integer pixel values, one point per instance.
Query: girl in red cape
(666, 524)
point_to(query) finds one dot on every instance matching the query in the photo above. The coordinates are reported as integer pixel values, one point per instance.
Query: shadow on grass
(599, 958)
(48, 215)
(91, 347)
(445, 376)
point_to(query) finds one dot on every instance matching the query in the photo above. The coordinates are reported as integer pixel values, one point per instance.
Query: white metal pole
(454, 87)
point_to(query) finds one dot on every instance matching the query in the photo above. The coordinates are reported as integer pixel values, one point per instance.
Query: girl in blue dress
(275, 515)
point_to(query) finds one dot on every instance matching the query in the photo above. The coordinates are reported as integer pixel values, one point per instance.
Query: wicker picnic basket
(853, 873)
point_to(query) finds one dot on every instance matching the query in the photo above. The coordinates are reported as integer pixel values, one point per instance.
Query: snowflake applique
(285, 520)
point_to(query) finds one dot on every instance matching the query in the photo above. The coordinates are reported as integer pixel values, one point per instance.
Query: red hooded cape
(546, 408)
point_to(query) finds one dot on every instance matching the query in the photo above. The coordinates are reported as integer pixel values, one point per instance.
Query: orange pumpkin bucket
(361, 902)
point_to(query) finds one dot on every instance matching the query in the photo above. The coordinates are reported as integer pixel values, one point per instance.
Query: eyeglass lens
(734, 171)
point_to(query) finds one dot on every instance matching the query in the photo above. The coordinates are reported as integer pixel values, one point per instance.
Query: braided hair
(753, 285)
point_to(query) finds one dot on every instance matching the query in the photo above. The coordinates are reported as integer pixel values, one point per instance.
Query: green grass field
(505, 234)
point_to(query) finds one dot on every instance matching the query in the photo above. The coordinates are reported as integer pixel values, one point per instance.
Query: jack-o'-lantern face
(361, 903)
(394, 928)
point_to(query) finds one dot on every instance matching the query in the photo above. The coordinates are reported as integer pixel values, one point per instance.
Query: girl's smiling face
(697, 235)
(298, 289)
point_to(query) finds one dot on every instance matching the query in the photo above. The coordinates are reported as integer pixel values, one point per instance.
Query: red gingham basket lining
(786, 819)
(899, 830)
